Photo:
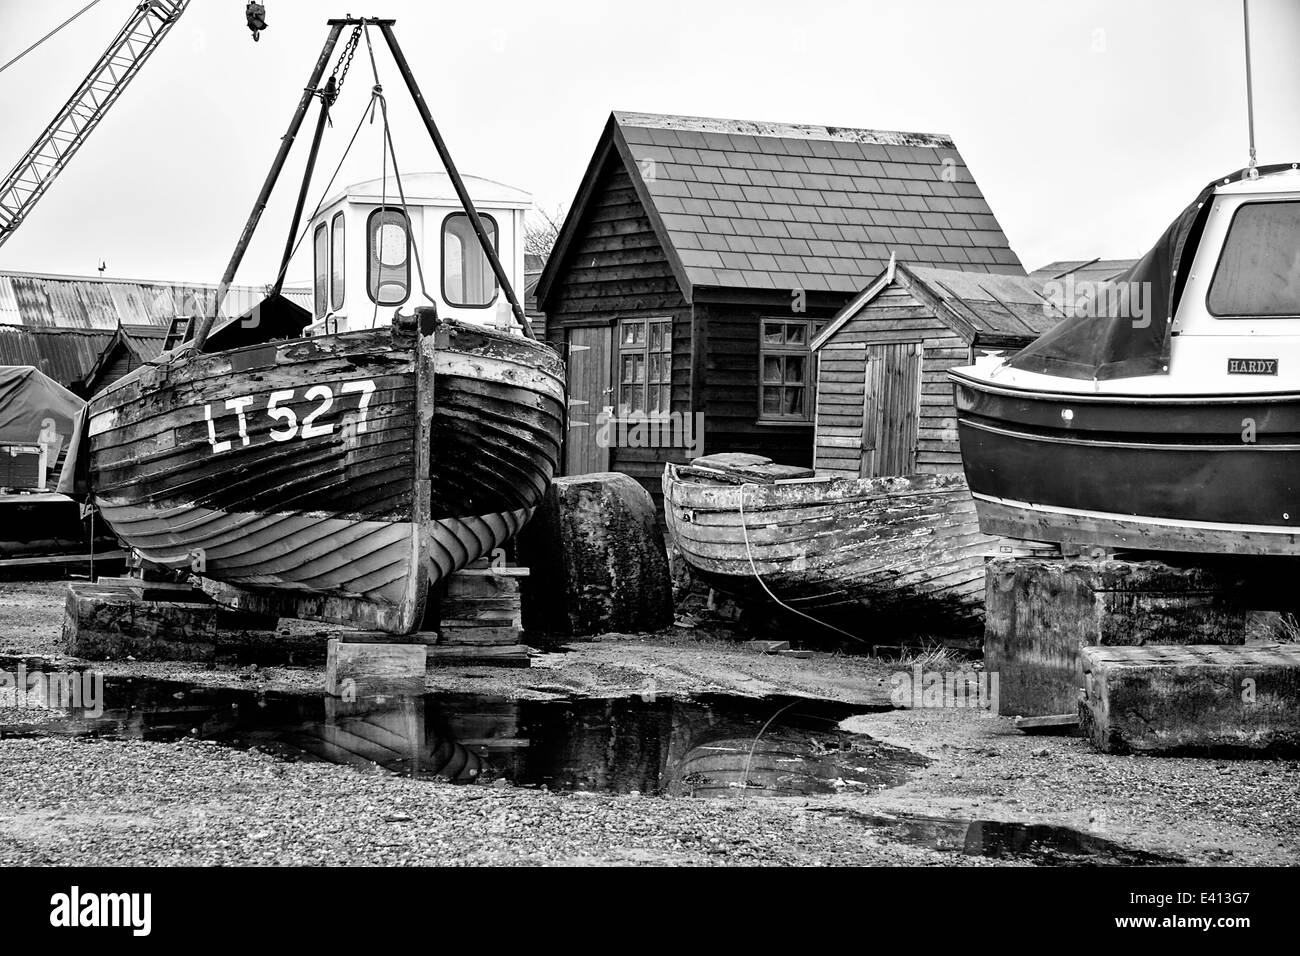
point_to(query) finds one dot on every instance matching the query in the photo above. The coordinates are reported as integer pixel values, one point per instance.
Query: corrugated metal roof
(64, 355)
(773, 206)
(36, 301)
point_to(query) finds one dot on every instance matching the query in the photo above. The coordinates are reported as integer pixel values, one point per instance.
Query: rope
(749, 553)
(48, 35)
(377, 94)
(324, 194)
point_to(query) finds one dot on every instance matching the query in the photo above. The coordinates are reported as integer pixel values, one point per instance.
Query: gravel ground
(132, 802)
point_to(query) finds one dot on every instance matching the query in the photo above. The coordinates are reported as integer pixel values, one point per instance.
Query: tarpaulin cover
(1111, 341)
(33, 405)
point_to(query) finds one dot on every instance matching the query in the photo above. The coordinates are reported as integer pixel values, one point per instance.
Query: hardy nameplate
(1245, 366)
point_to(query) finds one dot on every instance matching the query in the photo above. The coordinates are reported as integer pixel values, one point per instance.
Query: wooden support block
(511, 655)
(769, 647)
(1192, 699)
(798, 655)
(374, 669)
(469, 586)
(469, 632)
(1040, 613)
(1051, 724)
(383, 637)
(502, 611)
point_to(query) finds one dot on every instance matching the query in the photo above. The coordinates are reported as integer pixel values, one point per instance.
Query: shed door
(589, 382)
(891, 409)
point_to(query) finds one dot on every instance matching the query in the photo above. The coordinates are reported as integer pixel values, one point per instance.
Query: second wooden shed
(884, 402)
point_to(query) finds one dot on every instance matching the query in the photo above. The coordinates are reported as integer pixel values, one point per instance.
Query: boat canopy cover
(29, 399)
(1107, 335)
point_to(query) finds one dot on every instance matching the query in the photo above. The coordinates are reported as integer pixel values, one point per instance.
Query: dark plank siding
(892, 317)
(616, 268)
(729, 383)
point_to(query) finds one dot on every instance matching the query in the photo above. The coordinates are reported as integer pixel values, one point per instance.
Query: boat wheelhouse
(1164, 414)
(378, 246)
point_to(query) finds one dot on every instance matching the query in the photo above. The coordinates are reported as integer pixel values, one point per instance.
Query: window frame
(812, 328)
(442, 258)
(1223, 249)
(645, 351)
(372, 287)
(320, 292)
(338, 221)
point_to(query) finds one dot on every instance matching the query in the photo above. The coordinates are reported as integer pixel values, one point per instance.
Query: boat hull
(333, 478)
(882, 558)
(1165, 473)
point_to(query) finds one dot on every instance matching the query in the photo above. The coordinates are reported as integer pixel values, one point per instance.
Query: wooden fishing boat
(336, 464)
(881, 558)
(334, 477)
(1166, 414)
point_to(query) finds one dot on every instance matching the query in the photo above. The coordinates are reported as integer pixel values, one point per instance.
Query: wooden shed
(884, 402)
(700, 258)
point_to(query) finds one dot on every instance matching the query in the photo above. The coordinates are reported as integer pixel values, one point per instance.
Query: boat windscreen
(1124, 330)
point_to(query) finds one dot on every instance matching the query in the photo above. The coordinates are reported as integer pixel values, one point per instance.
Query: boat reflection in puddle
(705, 746)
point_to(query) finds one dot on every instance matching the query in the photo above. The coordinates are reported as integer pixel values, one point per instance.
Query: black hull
(1211, 474)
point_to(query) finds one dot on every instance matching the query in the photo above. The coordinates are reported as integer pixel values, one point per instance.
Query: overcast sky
(1088, 125)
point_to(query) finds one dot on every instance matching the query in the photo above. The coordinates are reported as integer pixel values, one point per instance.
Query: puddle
(1035, 843)
(705, 746)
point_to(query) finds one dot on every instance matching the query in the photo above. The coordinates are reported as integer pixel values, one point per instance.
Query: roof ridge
(845, 134)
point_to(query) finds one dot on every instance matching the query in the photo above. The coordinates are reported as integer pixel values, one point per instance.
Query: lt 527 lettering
(288, 426)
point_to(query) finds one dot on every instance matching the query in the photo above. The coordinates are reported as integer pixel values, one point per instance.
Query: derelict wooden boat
(334, 477)
(878, 557)
(1166, 416)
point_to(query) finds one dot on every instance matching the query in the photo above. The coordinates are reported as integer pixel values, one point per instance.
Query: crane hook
(255, 13)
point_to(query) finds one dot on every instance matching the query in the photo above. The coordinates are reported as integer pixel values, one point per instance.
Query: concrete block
(1192, 699)
(1039, 614)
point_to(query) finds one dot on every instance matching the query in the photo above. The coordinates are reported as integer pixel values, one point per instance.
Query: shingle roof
(1092, 270)
(773, 206)
(992, 304)
(983, 304)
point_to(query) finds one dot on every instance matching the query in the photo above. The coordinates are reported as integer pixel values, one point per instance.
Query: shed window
(786, 365)
(1259, 270)
(645, 366)
(467, 278)
(321, 250)
(337, 261)
(388, 256)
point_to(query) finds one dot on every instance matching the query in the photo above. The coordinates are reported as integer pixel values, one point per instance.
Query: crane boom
(55, 147)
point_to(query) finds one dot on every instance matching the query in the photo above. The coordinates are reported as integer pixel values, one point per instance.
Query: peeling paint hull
(335, 477)
(882, 558)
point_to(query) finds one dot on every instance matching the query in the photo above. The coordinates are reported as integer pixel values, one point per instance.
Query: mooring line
(749, 553)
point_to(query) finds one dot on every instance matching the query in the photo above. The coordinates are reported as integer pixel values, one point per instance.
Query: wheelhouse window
(337, 261)
(320, 287)
(1258, 275)
(388, 256)
(786, 369)
(645, 366)
(467, 277)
